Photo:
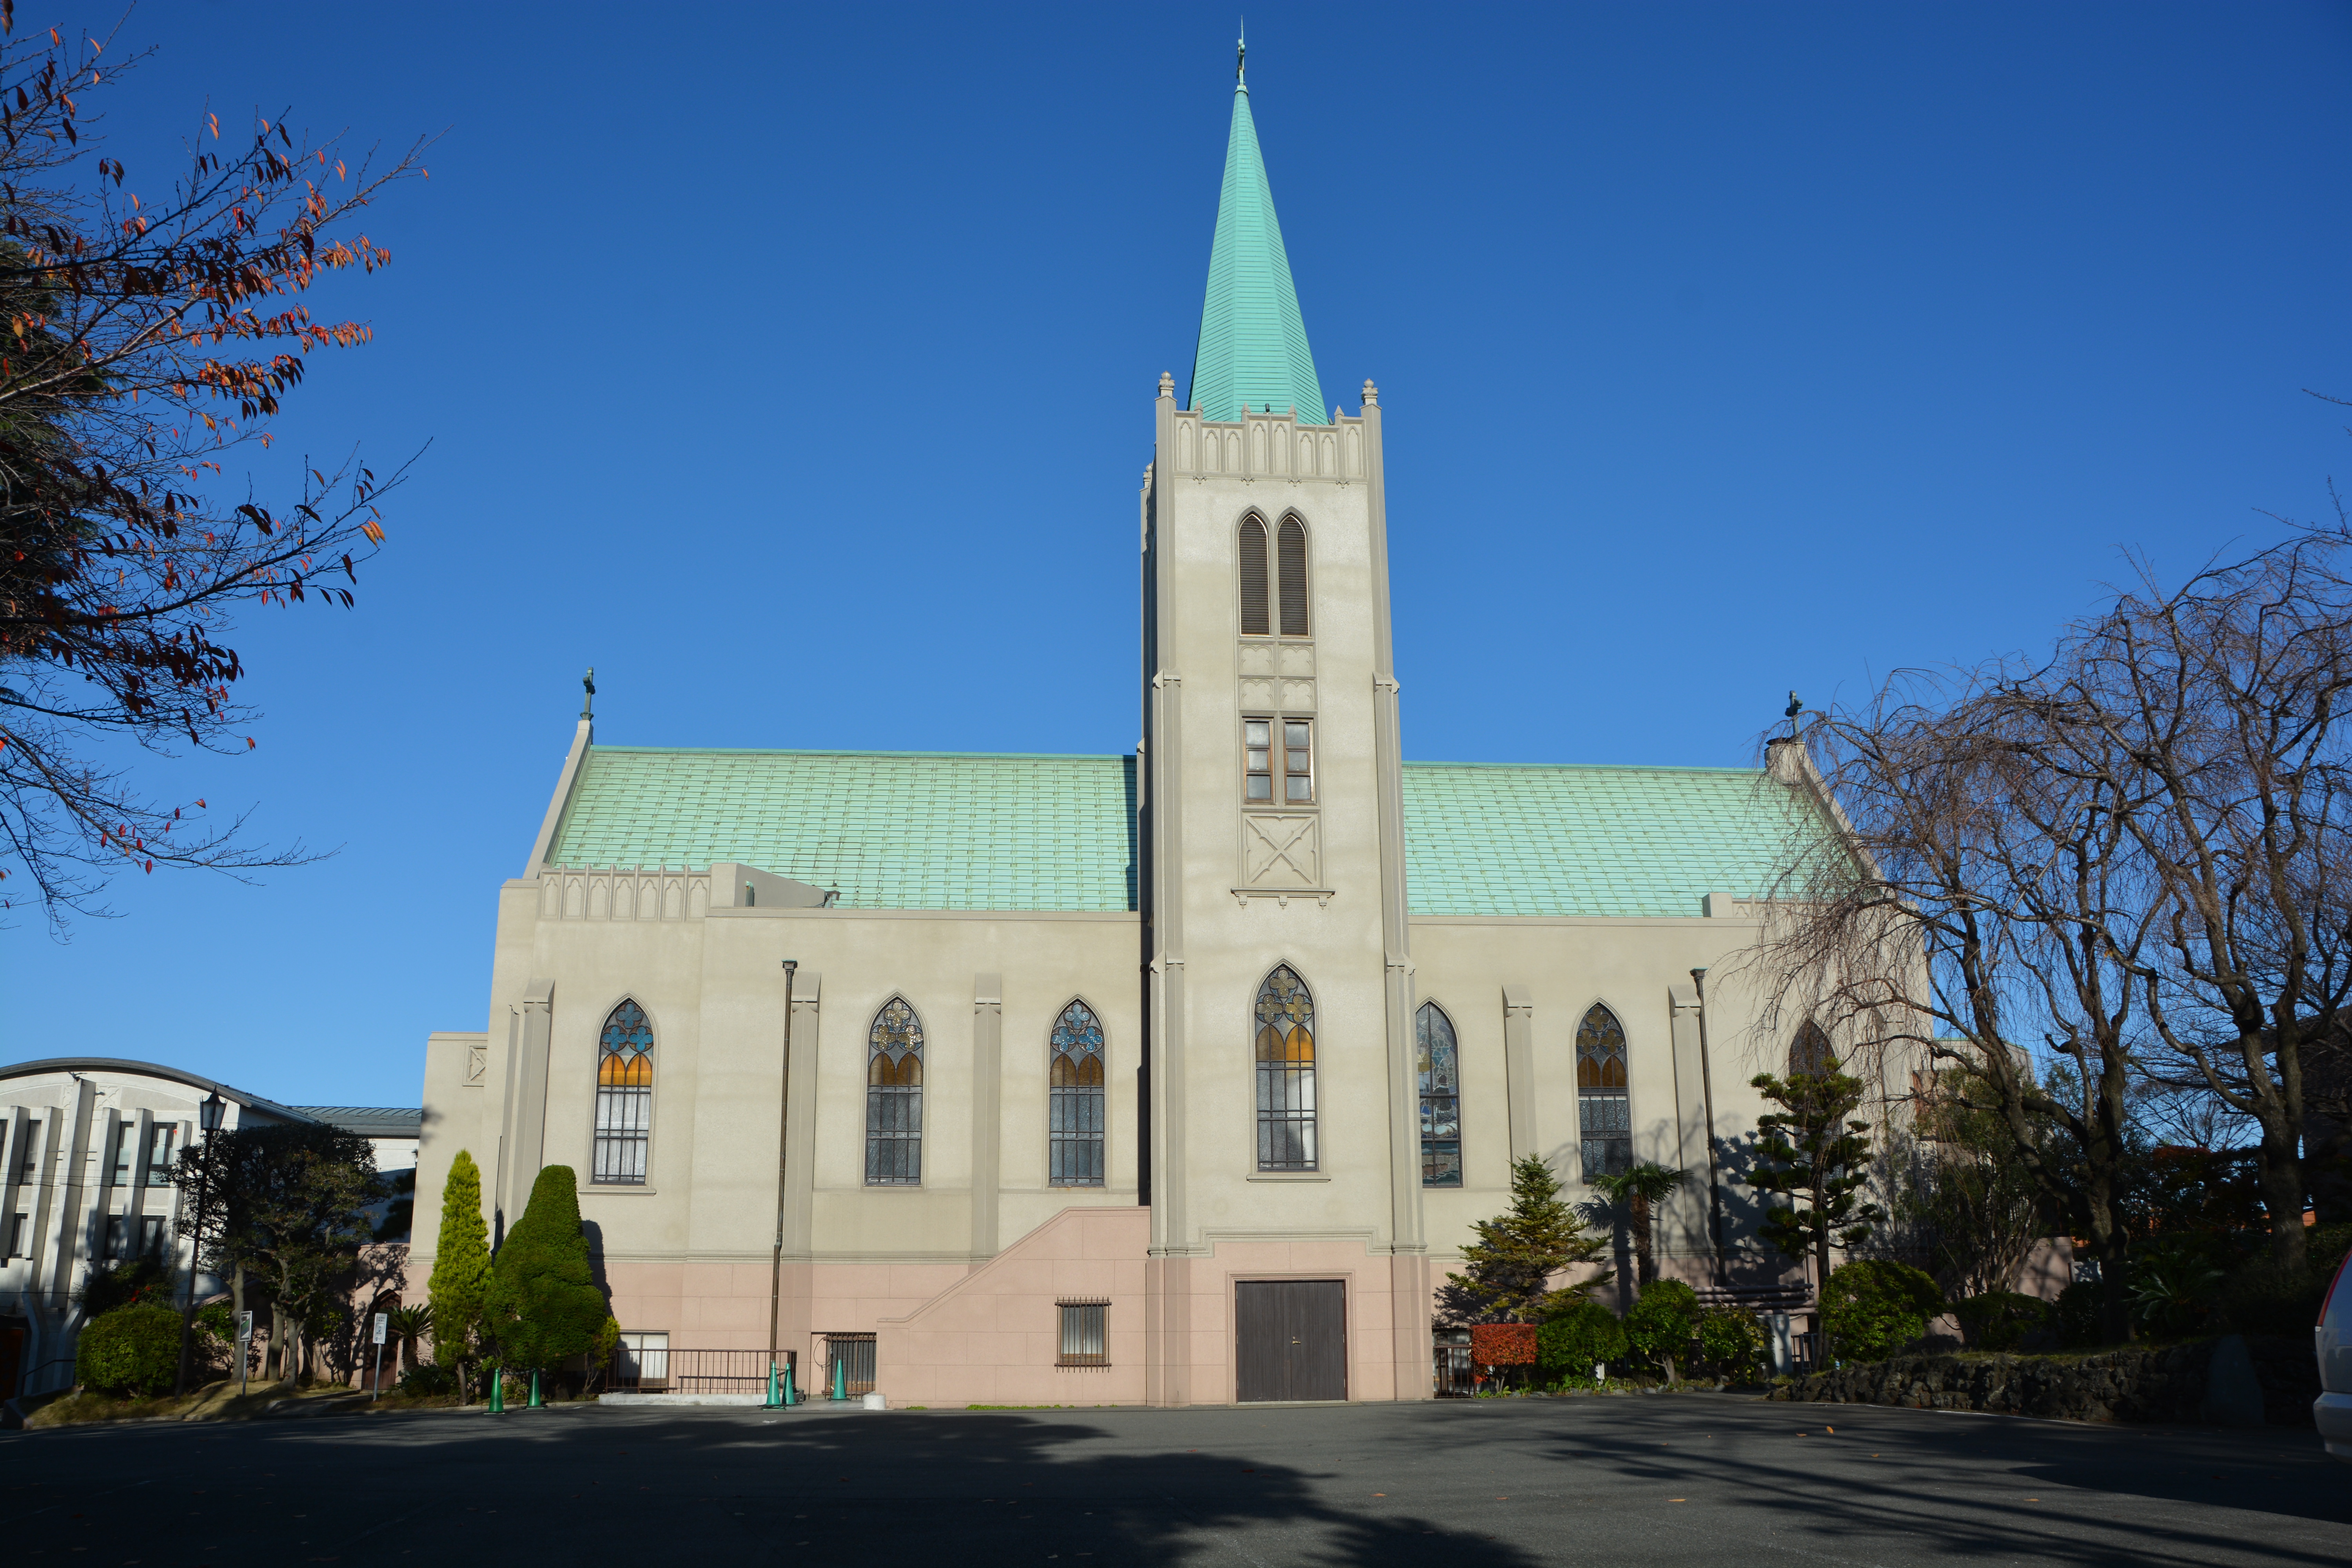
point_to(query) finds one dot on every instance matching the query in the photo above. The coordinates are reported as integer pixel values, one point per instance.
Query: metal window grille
(1604, 1113)
(1291, 563)
(1075, 1099)
(1253, 610)
(625, 1098)
(1286, 1073)
(1441, 1099)
(641, 1364)
(849, 1364)
(894, 1098)
(159, 1155)
(1082, 1335)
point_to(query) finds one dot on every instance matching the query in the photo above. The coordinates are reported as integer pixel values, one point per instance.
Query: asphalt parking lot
(1694, 1478)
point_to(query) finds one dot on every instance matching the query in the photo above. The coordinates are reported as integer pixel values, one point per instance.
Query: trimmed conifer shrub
(461, 1263)
(1663, 1323)
(543, 1307)
(131, 1350)
(1875, 1306)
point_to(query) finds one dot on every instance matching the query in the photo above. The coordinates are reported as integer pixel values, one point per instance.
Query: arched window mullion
(1604, 1111)
(1284, 1050)
(894, 1097)
(624, 1098)
(1440, 1098)
(1075, 1099)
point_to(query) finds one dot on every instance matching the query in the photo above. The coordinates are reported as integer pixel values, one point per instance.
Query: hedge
(131, 1350)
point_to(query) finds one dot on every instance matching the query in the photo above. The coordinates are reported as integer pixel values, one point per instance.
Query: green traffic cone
(535, 1400)
(841, 1379)
(791, 1395)
(775, 1394)
(498, 1390)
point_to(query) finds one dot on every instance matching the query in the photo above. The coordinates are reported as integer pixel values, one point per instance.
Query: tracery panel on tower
(1286, 1073)
(625, 1098)
(1075, 1094)
(1604, 1113)
(894, 1097)
(1441, 1099)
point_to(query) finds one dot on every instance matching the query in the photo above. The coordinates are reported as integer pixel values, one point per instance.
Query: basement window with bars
(1082, 1335)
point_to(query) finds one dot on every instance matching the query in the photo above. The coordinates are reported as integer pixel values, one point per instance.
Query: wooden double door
(1290, 1338)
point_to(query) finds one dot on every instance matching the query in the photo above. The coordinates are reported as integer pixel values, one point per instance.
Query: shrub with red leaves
(1503, 1344)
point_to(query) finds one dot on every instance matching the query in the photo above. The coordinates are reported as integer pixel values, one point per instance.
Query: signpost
(381, 1319)
(244, 1348)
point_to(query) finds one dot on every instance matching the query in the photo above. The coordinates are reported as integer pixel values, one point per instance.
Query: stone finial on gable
(1167, 385)
(1371, 393)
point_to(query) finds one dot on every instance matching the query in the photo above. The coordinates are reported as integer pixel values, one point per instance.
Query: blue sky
(793, 368)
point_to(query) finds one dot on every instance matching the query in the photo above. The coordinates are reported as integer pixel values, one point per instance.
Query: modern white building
(86, 1151)
(1171, 1078)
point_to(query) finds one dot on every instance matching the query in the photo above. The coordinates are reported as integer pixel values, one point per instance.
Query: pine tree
(1810, 1154)
(461, 1264)
(543, 1307)
(1509, 1269)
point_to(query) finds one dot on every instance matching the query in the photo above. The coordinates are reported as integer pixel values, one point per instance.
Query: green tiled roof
(893, 830)
(1500, 838)
(933, 830)
(1252, 351)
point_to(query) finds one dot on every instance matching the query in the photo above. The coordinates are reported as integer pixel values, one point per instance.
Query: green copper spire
(1253, 351)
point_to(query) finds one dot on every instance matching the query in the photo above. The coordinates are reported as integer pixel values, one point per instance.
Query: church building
(1175, 1077)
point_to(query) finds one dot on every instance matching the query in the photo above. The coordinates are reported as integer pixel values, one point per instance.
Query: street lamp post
(208, 1116)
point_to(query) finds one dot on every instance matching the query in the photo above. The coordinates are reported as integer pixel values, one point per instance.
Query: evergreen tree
(1811, 1155)
(543, 1307)
(461, 1264)
(1509, 1269)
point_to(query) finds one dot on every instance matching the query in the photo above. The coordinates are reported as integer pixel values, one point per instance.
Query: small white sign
(244, 1328)
(382, 1319)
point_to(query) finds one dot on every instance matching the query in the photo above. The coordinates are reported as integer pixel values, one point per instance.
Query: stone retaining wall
(2230, 1381)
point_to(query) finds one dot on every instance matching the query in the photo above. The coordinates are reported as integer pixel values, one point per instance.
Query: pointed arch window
(1809, 1052)
(1255, 622)
(1441, 1099)
(1074, 1095)
(625, 1098)
(894, 1097)
(1291, 562)
(1603, 1112)
(1286, 1073)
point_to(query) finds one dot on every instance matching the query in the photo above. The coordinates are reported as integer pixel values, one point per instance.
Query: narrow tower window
(1286, 1073)
(1440, 1100)
(1076, 1099)
(625, 1098)
(1604, 1114)
(1254, 602)
(894, 1098)
(1294, 577)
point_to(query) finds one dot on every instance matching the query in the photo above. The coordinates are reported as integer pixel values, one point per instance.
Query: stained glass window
(1286, 1073)
(894, 1097)
(1075, 1155)
(625, 1098)
(1604, 1114)
(1441, 1099)
(1255, 622)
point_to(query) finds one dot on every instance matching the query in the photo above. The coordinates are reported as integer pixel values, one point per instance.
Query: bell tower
(1281, 1102)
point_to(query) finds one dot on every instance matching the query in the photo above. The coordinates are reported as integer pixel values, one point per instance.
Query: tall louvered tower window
(894, 1097)
(625, 1098)
(1255, 622)
(1604, 1114)
(1441, 1099)
(1292, 562)
(1075, 1097)
(1286, 1073)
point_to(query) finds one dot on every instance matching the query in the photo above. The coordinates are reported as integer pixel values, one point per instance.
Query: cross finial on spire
(1241, 57)
(588, 690)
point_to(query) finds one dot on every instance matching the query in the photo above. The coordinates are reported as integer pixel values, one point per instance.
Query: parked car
(2332, 1411)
